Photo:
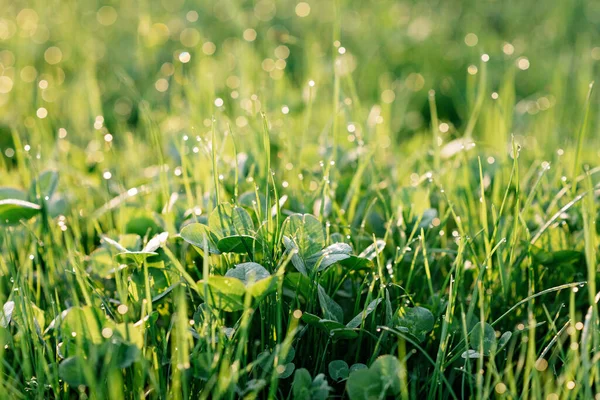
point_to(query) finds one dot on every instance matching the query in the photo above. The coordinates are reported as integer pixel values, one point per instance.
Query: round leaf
(228, 220)
(338, 370)
(225, 293)
(306, 232)
(357, 366)
(364, 384)
(125, 354)
(71, 371)
(302, 384)
(483, 334)
(255, 277)
(249, 272)
(85, 322)
(196, 234)
(388, 369)
(417, 321)
(288, 371)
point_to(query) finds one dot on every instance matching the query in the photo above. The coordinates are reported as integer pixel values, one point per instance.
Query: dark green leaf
(364, 384)
(540, 255)
(320, 388)
(240, 244)
(296, 283)
(417, 321)
(504, 340)
(567, 256)
(297, 261)
(388, 369)
(71, 371)
(357, 321)
(302, 385)
(289, 357)
(142, 225)
(311, 319)
(342, 334)
(338, 370)
(356, 263)
(330, 325)
(288, 371)
(483, 334)
(334, 329)
(358, 366)
(125, 354)
(331, 309)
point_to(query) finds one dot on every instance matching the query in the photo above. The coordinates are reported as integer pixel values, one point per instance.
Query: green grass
(259, 199)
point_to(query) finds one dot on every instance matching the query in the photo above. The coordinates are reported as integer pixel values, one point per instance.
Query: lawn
(299, 199)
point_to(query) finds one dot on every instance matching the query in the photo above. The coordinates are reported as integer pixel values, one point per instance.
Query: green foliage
(71, 370)
(358, 320)
(13, 210)
(483, 338)
(338, 370)
(44, 186)
(310, 199)
(307, 388)
(417, 321)
(331, 309)
(224, 293)
(255, 277)
(201, 237)
(383, 377)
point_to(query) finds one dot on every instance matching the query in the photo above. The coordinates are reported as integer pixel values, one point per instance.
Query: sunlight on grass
(299, 199)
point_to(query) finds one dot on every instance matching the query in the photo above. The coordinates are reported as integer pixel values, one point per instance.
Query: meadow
(263, 199)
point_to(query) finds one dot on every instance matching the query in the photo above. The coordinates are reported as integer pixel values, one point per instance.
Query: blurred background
(85, 69)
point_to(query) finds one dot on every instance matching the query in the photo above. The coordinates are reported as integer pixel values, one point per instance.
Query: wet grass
(299, 200)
